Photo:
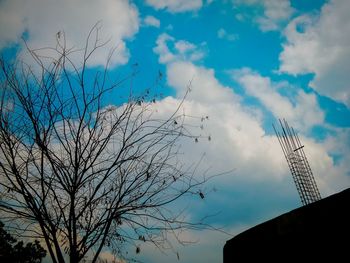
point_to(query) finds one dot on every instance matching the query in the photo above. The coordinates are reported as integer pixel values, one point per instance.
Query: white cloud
(176, 6)
(183, 46)
(304, 113)
(169, 27)
(151, 21)
(330, 176)
(204, 85)
(239, 140)
(232, 126)
(165, 55)
(222, 34)
(238, 137)
(12, 24)
(275, 12)
(41, 20)
(108, 257)
(320, 45)
(240, 17)
(182, 50)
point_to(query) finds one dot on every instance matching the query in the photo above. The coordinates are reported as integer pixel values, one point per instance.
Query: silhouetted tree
(14, 252)
(82, 175)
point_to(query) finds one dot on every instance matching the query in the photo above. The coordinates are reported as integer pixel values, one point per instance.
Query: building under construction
(317, 231)
(298, 163)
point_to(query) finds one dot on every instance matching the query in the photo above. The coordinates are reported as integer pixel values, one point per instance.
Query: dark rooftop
(318, 231)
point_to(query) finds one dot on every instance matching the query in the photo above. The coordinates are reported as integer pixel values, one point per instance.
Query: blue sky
(250, 62)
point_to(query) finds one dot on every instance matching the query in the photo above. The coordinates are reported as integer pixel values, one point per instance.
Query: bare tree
(78, 173)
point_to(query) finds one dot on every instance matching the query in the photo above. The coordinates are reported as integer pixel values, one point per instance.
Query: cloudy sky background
(250, 62)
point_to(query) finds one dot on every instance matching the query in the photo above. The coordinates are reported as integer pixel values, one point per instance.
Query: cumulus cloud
(303, 113)
(176, 6)
(232, 126)
(238, 137)
(320, 45)
(178, 50)
(222, 34)
(261, 177)
(42, 20)
(274, 12)
(204, 86)
(151, 21)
